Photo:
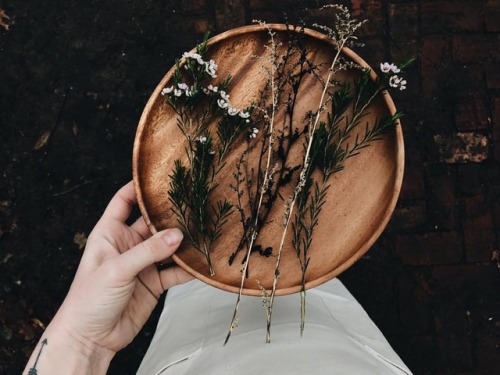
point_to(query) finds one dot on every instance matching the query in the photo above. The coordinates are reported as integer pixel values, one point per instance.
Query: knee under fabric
(339, 337)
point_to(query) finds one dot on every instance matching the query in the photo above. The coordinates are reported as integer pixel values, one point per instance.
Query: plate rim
(396, 188)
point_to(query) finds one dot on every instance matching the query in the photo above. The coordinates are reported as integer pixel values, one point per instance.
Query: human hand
(117, 284)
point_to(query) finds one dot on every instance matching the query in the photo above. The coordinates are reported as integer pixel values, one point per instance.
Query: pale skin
(115, 289)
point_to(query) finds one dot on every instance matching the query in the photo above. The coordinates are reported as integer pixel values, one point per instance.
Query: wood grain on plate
(360, 200)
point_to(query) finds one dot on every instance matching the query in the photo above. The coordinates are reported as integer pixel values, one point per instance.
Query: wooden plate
(359, 203)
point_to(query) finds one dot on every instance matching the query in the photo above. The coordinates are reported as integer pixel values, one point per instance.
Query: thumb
(160, 246)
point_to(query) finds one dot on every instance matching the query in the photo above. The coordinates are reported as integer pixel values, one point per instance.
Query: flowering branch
(191, 185)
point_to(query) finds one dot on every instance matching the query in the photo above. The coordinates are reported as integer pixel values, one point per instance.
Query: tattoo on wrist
(33, 371)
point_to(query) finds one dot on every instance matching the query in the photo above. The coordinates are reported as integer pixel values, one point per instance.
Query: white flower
(389, 67)
(192, 55)
(222, 103)
(167, 90)
(211, 68)
(201, 139)
(397, 82)
(182, 86)
(232, 111)
(209, 89)
(394, 81)
(385, 67)
(254, 133)
(177, 92)
(244, 114)
(224, 95)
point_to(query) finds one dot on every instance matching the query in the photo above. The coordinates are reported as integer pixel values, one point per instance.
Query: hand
(117, 284)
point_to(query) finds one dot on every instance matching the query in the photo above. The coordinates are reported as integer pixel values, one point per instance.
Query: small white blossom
(385, 67)
(231, 111)
(254, 133)
(211, 68)
(394, 81)
(244, 114)
(202, 139)
(389, 67)
(177, 92)
(182, 86)
(224, 95)
(397, 82)
(167, 90)
(192, 55)
(209, 89)
(222, 103)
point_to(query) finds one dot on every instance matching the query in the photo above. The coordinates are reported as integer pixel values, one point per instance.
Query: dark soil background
(75, 76)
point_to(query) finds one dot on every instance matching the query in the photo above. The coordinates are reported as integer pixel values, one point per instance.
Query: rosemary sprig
(330, 150)
(313, 195)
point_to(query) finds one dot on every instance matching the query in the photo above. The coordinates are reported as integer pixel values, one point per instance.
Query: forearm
(60, 353)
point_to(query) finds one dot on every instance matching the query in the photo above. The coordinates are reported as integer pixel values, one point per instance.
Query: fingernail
(172, 236)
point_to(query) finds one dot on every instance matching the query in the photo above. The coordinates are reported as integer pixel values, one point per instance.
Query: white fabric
(339, 337)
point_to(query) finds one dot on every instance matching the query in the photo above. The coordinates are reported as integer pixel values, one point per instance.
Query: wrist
(60, 351)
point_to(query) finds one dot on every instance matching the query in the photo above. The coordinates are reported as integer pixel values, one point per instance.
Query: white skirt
(339, 337)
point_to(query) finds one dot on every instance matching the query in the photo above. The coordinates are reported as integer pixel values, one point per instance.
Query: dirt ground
(74, 80)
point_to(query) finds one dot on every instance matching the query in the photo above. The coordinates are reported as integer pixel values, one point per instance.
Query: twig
(73, 188)
(298, 188)
(264, 186)
(58, 120)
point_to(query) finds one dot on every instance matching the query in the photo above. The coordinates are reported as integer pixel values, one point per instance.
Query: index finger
(120, 206)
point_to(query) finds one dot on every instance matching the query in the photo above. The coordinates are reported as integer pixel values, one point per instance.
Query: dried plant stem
(265, 183)
(284, 78)
(302, 307)
(206, 251)
(298, 188)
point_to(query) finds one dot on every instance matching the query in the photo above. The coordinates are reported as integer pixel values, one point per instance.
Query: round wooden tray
(360, 200)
